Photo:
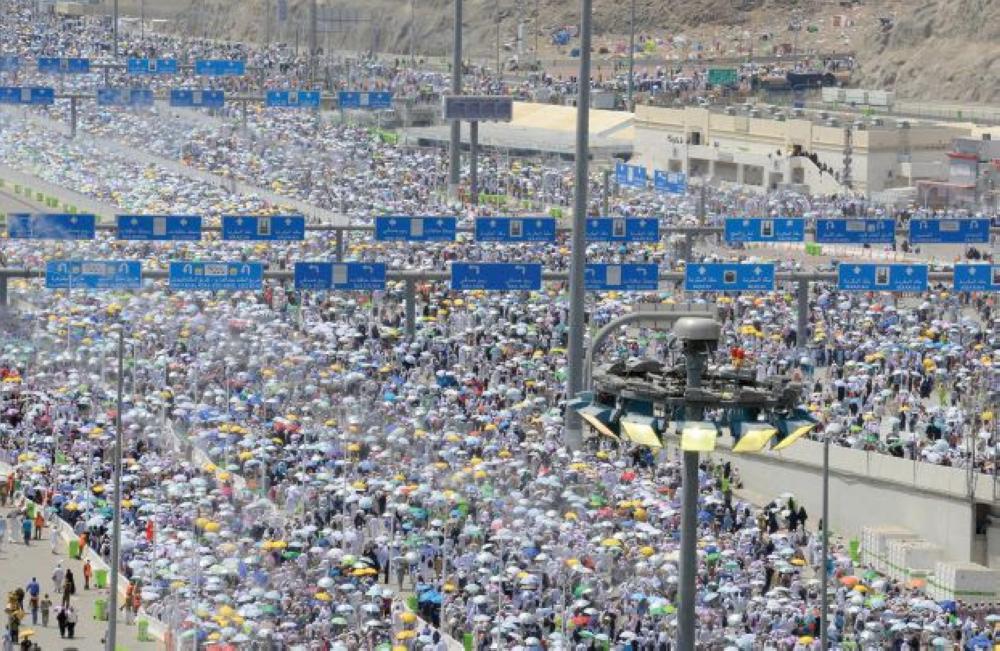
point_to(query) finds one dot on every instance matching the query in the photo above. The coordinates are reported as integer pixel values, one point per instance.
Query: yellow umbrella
(323, 596)
(647, 551)
(408, 617)
(611, 542)
(406, 635)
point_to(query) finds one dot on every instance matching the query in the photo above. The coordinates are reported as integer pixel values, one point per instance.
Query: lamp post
(653, 387)
(116, 530)
(699, 337)
(573, 436)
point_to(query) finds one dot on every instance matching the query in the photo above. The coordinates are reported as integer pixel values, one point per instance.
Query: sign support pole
(72, 117)
(474, 161)
(410, 299)
(573, 433)
(606, 203)
(802, 327)
(340, 246)
(454, 151)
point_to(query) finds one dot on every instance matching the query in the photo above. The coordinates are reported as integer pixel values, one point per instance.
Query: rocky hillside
(922, 49)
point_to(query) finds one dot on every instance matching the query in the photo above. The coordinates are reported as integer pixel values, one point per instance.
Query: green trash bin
(101, 578)
(101, 610)
(468, 642)
(855, 549)
(143, 630)
(74, 548)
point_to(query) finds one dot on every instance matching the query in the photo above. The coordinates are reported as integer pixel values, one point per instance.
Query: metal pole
(142, 20)
(3, 291)
(573, 437)
(340, 246)
(455, 155)
(243, 114)
(72, 117)
(413, 23)
(606, 203)
(473, 161)
(496, 6)
(313, 21)
(116, 535)
(411, 307)
(701, 204)
(803, 315)
(825, 555)
(629, 103)
(695, 361)
(115, 27)
(267, 23)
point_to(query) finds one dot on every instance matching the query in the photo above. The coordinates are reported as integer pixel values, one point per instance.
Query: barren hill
(922, 49)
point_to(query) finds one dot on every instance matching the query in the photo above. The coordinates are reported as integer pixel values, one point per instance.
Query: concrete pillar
(740, 173)
(3, 292)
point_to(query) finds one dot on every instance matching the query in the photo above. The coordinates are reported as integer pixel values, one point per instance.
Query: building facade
(768, 148)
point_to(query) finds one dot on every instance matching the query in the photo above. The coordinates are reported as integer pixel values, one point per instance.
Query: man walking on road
(57, 578)
(33, 590)
(26, 530)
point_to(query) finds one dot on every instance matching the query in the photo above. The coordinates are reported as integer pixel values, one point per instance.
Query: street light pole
(115, 27)
(116, 533)
(454, 154)
(825, 555)
(573, 436)
(629, 103)
(696, 351)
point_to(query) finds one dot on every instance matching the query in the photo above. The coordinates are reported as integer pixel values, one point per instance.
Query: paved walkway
(18, 564)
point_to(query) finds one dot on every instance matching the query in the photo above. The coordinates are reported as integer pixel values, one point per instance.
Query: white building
(973, 176)
(817, 152)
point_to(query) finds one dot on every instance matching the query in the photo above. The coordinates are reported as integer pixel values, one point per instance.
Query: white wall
(869, 489)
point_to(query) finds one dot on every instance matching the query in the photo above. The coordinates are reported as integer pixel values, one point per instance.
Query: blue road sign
(630, 175)
(977, 278)
(784, 229)
(213, 276)
(220, 67)
(949, 231)
(51, 226)
(352, 99)
(292, 99)
(159, 228)
(516, 229)
(882, 277)
(64, 65)
(621, 229)
(38, 96)
(397, 228)
(729, 277)
(356, 276)
(498, 276)
(670, 182)
(185, 98)
(855, 231)
(600, 277)
(9, 63)
(278, 228)
(152, 66)
(93, 274)
(124, 97)
(480, 108)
